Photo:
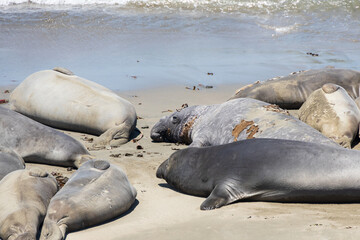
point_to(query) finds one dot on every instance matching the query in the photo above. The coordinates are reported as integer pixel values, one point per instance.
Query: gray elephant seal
(265, 170)
(25, 196)
(291, 92)
(38, 143)
(238, 119)
(9, 162)
(333, 112)
(97, 192)
(60, 99)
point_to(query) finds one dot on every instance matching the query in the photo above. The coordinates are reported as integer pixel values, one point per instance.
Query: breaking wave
(227, 6)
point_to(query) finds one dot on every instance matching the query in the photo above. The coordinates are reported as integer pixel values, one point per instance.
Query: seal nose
(155, 136)
(161, 170)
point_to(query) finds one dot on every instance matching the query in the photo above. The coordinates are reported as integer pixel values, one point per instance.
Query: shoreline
(163, 213)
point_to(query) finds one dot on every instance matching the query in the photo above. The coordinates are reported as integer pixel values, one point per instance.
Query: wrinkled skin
(291, 92)
(169, 128)
(265, 170)
(214, 124)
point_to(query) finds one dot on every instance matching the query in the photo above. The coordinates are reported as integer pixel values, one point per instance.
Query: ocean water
(132, 44)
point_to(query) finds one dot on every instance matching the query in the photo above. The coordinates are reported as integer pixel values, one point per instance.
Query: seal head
(175, 127)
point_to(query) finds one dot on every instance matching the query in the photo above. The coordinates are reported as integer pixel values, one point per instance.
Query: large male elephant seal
(38, 143)
(62, 100)
(9, 162)
(333, 112)
(24, 198)
(265, 170)
(290, 92)
(231, 121)
(95, 193)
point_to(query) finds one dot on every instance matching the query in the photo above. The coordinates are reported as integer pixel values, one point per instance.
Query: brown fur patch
(276, 108)
(252, 130)
(243, 125)
(184, 135)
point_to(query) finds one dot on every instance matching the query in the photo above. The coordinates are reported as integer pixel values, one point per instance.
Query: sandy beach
(163, 213)
(152, 52)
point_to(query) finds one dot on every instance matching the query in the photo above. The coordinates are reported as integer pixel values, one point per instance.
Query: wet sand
(163, 213)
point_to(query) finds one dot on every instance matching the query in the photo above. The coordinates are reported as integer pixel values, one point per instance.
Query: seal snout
(161, 169)
(156, 137)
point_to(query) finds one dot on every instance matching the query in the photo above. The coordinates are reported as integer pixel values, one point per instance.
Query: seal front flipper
(221, 195)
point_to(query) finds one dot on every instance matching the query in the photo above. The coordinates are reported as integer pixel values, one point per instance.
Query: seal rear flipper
(221, 195)
(81, 159)
(38, 172)
(117, 136)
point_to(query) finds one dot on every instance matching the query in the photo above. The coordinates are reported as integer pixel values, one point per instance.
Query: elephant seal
(333, 112)
(9, 162)
(265, 170)
(95, 193)
(238, 119)
(25, 196)
(291, 92)
(60, 99)
(38, 143)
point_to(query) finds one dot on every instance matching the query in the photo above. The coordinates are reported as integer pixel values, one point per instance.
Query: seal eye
(175, 120)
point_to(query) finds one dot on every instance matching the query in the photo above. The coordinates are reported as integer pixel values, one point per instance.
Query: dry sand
(163, 213)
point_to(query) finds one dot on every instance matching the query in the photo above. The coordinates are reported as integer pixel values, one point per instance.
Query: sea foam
(211, 5)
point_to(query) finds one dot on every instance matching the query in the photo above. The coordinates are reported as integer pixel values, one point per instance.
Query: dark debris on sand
(61, 180)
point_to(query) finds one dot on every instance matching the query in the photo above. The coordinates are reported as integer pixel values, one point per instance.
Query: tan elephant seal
(291, 91)
(97, 192)
(24, 198)
(333, 112)
(60, 99)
